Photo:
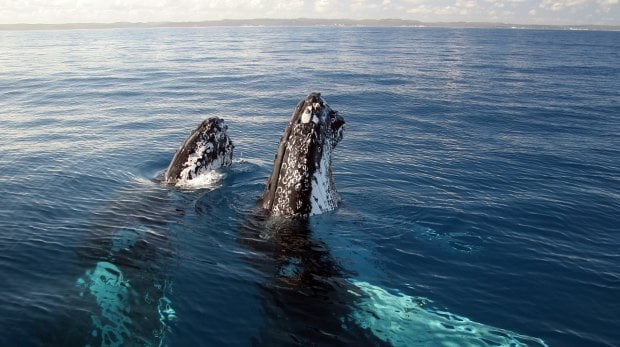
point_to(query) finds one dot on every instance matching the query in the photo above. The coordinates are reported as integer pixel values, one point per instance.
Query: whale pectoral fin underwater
(207, 148)
(301, 182)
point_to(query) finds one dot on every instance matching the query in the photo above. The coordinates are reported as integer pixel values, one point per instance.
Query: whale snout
(207, 148)
(301, 182)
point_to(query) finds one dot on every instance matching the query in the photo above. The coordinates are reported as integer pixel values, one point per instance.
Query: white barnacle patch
(307, 115)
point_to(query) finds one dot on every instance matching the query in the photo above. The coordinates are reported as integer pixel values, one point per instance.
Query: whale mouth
(301, 182)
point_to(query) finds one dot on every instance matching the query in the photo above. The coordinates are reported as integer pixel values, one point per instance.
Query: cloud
(559, 5)
(515, 11)
(607, 4)
(322, 6)
(62, 11)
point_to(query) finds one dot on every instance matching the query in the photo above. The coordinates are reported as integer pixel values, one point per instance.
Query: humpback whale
(301, 182)
(309, 298)
(124, 287)
(207, 148)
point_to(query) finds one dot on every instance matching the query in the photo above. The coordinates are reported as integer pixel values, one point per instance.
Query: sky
(602, 12)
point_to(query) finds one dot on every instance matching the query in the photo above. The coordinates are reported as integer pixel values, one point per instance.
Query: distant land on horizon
(302, 22)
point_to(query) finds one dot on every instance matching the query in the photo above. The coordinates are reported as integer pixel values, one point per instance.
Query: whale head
(207, 148)
(301, 182)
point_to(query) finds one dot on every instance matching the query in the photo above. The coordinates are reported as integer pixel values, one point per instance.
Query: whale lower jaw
(324, 197)
(321, 195)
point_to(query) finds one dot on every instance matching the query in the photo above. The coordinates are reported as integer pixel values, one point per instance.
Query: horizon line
(387, 22)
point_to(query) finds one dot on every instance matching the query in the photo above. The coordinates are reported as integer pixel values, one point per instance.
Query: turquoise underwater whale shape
(300, 186)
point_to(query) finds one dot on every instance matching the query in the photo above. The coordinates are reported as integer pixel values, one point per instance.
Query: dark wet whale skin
(208, 147)
(301, 182)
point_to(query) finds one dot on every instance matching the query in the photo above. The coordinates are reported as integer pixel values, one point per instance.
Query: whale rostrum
(207, 148)
(301, 182)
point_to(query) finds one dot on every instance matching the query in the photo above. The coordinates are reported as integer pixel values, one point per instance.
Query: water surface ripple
(479, 173)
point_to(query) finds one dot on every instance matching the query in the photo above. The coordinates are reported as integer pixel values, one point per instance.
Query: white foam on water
(209, 179)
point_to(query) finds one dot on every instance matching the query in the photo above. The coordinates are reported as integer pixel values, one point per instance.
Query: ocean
(479, 176)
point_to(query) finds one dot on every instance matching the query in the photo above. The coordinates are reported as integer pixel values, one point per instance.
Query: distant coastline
(302, 22)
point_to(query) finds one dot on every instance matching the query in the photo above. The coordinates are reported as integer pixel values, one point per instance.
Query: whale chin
(301, 183)
(206, 149)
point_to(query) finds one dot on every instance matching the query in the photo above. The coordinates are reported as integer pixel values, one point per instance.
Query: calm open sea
(479, 176)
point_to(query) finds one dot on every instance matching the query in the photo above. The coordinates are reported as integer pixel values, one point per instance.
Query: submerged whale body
(310, 299)
(301, 182)
(207, 148)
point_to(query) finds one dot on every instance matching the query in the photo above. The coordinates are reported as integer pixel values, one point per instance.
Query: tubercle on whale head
(208, 147)
(301, 182)
(315, 111)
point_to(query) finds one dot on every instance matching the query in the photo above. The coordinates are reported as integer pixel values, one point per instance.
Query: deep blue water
(479, 177)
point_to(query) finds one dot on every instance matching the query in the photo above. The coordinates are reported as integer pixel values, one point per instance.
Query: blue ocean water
(479, 175)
